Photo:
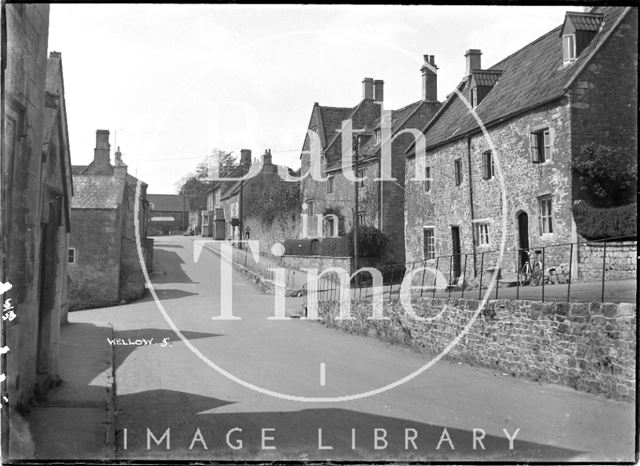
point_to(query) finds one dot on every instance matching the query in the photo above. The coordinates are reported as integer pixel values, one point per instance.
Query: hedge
(595, 223)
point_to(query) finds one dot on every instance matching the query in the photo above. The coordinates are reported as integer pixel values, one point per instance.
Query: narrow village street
(160, 383)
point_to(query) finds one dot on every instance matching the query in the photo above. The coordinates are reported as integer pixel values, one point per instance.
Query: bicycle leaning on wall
(531, 271)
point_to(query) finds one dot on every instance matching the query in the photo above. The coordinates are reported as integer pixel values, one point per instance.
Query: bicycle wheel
(524, 277)
(536, 275)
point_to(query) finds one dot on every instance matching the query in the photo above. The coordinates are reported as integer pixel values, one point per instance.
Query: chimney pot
(473, 60)
(367, 88)
(266, 158)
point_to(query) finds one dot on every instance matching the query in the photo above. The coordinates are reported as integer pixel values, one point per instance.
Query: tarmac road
(161, 384)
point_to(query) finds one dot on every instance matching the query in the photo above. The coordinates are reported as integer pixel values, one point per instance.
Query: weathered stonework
(36, 191)
(620, 263)
(447, 205)
(590, 347)
(107, 269)
(598, 104)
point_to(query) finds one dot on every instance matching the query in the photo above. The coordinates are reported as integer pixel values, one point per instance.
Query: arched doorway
(523, 236)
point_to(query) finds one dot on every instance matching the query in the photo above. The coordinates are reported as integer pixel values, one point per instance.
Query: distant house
(539, 106)
(381, 203)
(269, 222)
(36, 193)
(104, 262)
(213, 196)
(168, 214)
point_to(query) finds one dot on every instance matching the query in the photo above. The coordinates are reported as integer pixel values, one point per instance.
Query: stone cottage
(381, 203)
(264, 207)
(213, 197)
(539, 107)
(168, 214)
(104, 262)
(36, 189)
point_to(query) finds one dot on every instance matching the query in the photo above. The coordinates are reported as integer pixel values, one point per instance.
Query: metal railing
(568, 272)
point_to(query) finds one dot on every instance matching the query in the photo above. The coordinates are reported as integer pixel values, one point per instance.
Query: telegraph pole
(356, 216)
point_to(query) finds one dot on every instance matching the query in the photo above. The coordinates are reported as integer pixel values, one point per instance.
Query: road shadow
(295, 434)
(157, 244)
(130, 340)
(167, 268)
(165, 294)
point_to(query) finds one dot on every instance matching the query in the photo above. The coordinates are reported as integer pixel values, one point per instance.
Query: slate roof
(97, 192)
(168, 202)
(532, 76)
(78, 169)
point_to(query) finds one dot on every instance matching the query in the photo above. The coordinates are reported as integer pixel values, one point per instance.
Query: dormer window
(568, 48)
(577, 32)
(481, 83)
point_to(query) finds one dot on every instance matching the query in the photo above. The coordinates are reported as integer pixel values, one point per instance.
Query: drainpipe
(473, 230)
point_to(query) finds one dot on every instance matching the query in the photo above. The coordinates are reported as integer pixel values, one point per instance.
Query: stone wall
(320, 262)
(132, 283)
(590, 347)
(620, 262)
(96, 274)
(24, 71)
(268, 234)
(604, 97)
(447, 205)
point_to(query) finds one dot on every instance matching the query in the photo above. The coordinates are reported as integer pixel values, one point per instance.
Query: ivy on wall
(277, 201)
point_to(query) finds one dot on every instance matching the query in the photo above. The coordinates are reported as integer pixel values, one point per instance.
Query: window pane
(547, 144)
(534, 147)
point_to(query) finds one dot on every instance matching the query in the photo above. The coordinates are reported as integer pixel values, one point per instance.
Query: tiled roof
(398, 118)
(487, 78)
(168, 202)
(585, 21)
(77, 169)
(330, 120)
(97, 192)
(532, 76)
(363, 117)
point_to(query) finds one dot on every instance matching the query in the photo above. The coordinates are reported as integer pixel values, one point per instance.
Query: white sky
(175, 81)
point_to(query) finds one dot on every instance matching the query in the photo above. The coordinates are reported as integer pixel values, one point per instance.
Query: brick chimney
(367, 88)
(102, 152)
(473, 60)
(429, 79)
(378, 91)
(245, 158)
(266, 157)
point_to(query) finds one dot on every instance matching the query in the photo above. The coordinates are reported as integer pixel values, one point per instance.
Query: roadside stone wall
(620, 262)
(320, 262)
(277, 232)
(587, 346)
(132, 283)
